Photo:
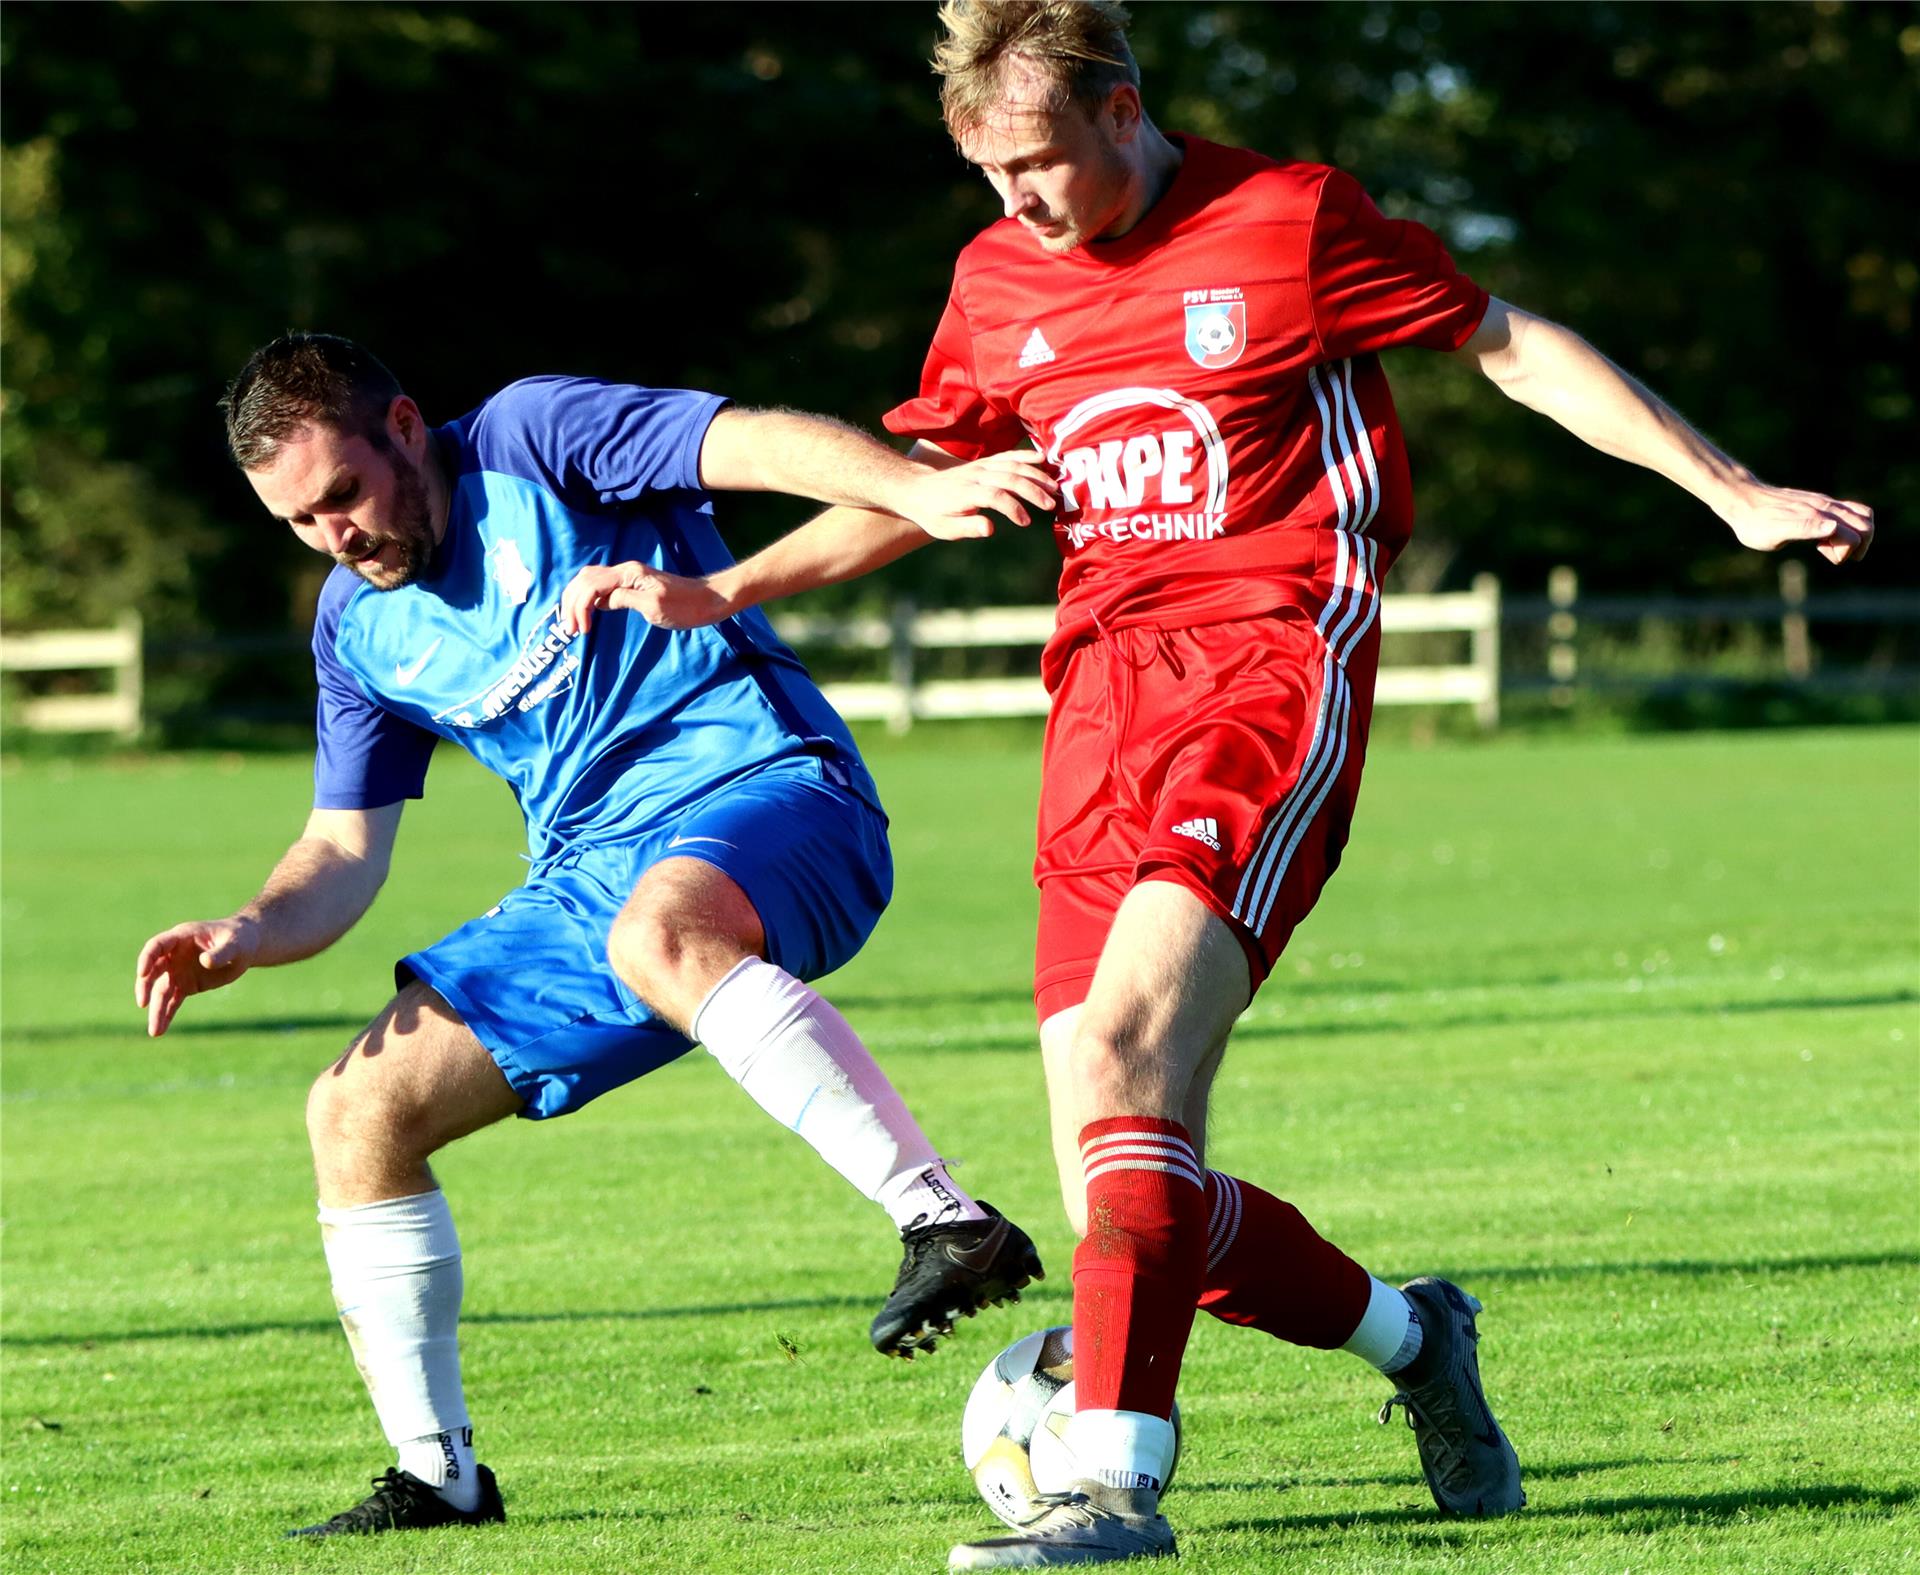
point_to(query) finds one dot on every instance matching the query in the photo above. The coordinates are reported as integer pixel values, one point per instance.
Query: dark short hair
(303, 380)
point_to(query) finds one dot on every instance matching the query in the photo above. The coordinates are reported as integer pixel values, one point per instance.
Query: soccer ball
(1012, 1437)
(1215, 334)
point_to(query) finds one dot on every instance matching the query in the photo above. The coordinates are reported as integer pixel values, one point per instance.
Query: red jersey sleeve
(1376, 282)
(952, 411)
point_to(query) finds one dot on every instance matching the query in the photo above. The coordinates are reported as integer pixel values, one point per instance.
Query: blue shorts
(531, 977)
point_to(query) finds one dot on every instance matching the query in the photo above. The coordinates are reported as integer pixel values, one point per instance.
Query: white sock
(1121, 1449)
(445, 1461)
(1389, 1332)
(397, 1282)
(927, 1197)
(801, 1063)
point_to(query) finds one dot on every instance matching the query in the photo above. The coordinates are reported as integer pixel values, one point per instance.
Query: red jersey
(1205, 387)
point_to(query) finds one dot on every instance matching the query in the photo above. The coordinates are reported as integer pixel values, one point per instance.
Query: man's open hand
(668, 601)
(1766, 517)
(201, 955)
(949, 504)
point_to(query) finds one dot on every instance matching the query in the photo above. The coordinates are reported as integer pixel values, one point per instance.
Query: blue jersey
(601, 735)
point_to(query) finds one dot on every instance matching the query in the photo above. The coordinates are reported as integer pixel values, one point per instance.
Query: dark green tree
(761, 199)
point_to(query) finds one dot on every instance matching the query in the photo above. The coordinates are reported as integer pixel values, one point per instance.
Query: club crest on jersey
(510, 571)
(1216, 326)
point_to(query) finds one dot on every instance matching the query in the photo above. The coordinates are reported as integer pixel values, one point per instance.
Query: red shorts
(1225, 758)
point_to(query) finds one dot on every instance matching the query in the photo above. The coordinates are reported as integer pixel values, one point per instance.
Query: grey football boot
(1071, 1529)
(1470, 1466)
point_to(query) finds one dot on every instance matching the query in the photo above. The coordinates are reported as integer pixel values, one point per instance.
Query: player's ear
(1122, 113)
(405, 424)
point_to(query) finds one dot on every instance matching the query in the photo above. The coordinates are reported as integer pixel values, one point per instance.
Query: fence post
(900, 664)
(1563, 625)
(1796, 646)
(129, 680)
(1484, 650)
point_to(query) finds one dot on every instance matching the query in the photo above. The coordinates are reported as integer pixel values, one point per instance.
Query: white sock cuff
(754, 1000)
(1121, 1449)
(1383, 1326)
(397, 1281)
(394, 1235)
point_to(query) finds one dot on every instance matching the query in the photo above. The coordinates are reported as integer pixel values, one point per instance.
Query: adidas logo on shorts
(1207, 831)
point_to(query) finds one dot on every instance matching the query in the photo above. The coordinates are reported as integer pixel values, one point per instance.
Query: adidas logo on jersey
(1207, 831)
(1037, 351)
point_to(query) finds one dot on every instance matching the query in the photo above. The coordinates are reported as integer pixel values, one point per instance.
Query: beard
(412, 532)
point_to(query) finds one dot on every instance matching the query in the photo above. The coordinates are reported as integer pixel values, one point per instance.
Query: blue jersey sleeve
(366, 755)
(594, 444)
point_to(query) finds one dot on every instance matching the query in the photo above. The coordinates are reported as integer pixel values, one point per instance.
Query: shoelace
(378, 1508)
(1453, 1459)
(918, 1240)
(1062, 1512)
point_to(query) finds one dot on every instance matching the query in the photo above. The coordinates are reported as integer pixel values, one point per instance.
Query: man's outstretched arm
(1553, 370)
(840, 544)
(316, 893)
(818, 457)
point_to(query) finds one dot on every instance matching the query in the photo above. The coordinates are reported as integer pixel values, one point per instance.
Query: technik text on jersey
(1148, 527)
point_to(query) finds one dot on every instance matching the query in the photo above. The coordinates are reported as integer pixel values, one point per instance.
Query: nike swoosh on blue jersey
(406, 675)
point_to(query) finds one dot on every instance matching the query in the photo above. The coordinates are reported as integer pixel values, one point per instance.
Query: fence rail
(119, 652)
(905, 698)
(907, 636)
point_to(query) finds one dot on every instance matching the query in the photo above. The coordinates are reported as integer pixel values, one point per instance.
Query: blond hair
(1079, 46)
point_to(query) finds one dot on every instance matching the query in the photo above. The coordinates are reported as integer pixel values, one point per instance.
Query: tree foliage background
(760, 199)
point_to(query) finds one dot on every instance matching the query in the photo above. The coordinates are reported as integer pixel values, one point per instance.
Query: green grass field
(1623, 1035)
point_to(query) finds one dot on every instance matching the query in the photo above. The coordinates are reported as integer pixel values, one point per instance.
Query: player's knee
(647, 953)
(348, 1120)
(1115, 1073)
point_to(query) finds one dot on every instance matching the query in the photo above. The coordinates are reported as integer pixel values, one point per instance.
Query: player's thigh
(415, 1080)
(1255, 770)
(810, 857)
(1172, 979)
(530, 980)
(686, 926)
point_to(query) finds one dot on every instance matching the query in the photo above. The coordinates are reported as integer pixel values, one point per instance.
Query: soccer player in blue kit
(703, 834)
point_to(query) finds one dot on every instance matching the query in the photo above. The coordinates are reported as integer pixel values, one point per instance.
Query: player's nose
(337, 534)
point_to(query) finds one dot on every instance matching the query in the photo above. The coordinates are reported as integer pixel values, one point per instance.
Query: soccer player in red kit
(1189, 332)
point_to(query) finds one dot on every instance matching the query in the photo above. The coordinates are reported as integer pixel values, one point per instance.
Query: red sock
(1268, 1269)
(1136, 1276)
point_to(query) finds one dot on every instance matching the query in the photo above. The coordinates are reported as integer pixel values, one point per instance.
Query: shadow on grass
(1691, 1268)
(135, 1025)
(1636, 1512)
(1554, 1471)
(331, 1326)
(1055, 1301)
(1640, 1007)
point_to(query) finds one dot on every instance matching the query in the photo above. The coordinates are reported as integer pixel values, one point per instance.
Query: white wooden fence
(904, 698)
(118, 652)
(901, 699)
